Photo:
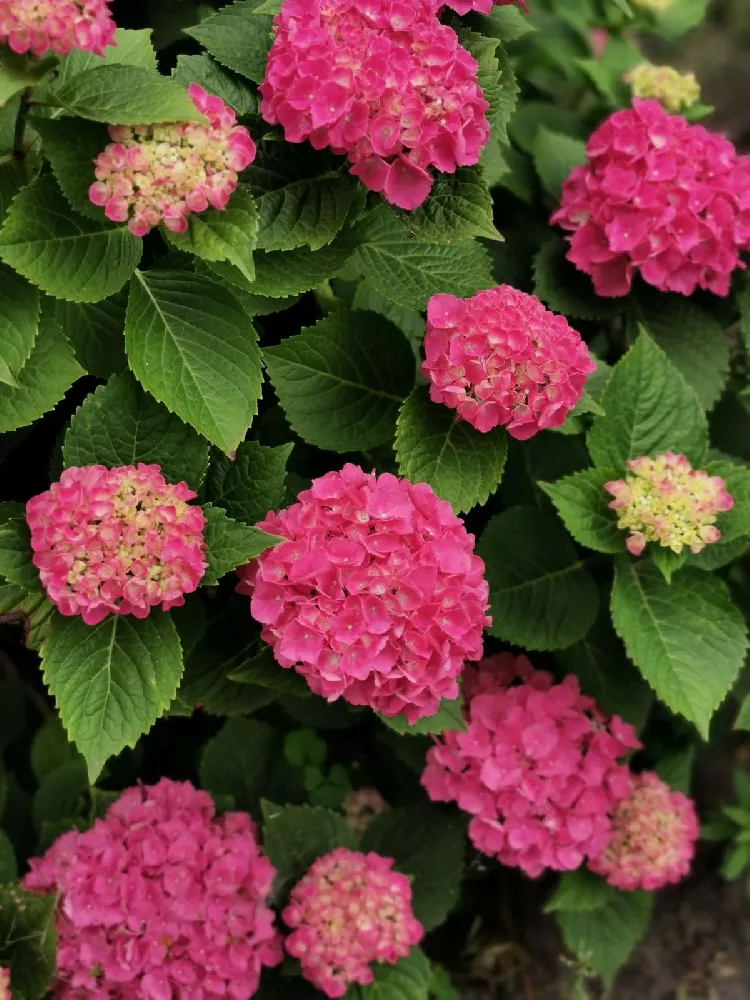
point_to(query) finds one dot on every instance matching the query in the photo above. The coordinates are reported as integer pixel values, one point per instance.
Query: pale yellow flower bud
(675, 91)
(658, 6)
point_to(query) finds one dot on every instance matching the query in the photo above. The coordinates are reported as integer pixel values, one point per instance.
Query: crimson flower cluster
(376, 596)
(385, 84)
(40, 26)
(661, 197)
(348, 911)
(501, 358)
(116, 541)
(160, 899)
(536, 768)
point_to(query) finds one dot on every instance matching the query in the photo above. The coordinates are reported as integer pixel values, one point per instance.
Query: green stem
(19, 132)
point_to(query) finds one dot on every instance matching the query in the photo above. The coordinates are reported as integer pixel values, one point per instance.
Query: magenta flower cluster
(116, 541)
(536, 768)
(376, 596)
(160, 899)
(40, 26)
(660, 197)
(4, 984)
(501, 358)
(384, 83)
(654, 831)
(164, 173)
(348, 911)
(481, 6)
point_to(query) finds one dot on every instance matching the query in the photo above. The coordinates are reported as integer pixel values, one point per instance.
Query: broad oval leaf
(127, 95)
(582, 503)
(238, 37)
(230, 234)
(19, 324)
(230, 543)
(251, 484)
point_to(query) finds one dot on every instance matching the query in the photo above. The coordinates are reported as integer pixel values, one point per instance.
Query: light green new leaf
(96, 331)
(649, 409)
(126, 95)
(230, 234)
(449, 716)
(133, 48)
(579, 891)
(17, 72)
(238, 37)
(294, 836)
(540, 595)
(215, 79)
(65, 254)
(230, 544)
(19, 324)
(462, 465)
(459, 207)
(581, 502)
(120, 424)
(555, 156)
(686, 637)
(341, 382)
(743, 716)
(251, 484)
(408, 979)
(191, 346)
(111, 681)
(71, 154)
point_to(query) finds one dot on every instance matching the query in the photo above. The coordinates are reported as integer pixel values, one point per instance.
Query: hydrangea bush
(374, 422)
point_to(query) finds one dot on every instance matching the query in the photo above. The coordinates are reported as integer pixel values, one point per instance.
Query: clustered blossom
(536, 768)
(349, 910)
(376, 596)
(666, 500)
(362, 806)
(40, 26)
(160, 899)
(4, 984)
(164, 173)
(116, 541)
(654, 835)
(482, 6)
(661, 197)
(501, 358)
(385, 84)
(664, 84)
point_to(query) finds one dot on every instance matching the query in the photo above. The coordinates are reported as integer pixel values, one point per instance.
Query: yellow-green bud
(674, 90)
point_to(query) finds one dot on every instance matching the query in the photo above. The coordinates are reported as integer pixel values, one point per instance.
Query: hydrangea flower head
(348, 911)
(482, 6)
(661, 197)
(160, 899)
(666, 500)
(536, 768)
(4, 984)
(376, 596)
(385, 84)
(361, 806)
(116, 541)
(40, 26)
(672, 89)
(502, 358)
(163, 173)
(654, 835)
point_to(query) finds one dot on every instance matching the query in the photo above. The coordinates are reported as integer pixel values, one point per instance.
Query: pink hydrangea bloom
(385, 84)
(666, 500)
(536, 768)
(348, 911)
(482, 6)
(116, 541)
(658, 196)
(40, 26)
(654, 835)
(160, 899)
(376, 597)
(362, 806)
(4, 984)
(501, 358)
(164, 173)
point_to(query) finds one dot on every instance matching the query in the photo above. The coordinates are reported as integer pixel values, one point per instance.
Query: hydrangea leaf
(29, 608)
(238, 37)
(649, 409)
(251, 484)
(448, 716)
(8, 864)
(111, 681)
(215, 79)
(495, 77)
(676, 769)
(540, 595)
(565, 289)
(19, 71)
(61, 794)
(428, 846)
(734, 523)
(50, 749)
(230, 544)
(65, 254)
(71, 154)
(126, 95)
(13, 175)
(132, 48)
(686, 637)
(120, 424)
(408, 979)
(341, 382)
(19, 324)
(459, 207)
(15, 555)
(230, 234)
(743, 716)
(441, 985)
(192, 347)
(238, 760)
(579, 891)
(462, 465)
(27, 940)
(96, 331)
(581, 502)
(555, 156)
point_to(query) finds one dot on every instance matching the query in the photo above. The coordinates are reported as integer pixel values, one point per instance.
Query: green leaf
(341, 382)
(262, 670)
(495, 77)
(294, 836)
(743, 716)
(27, 941)
(111, 681)
(579, 892)
(667, 561)
(555, 156)
(581, 502)
(16, 564)
(734, 524)
(408, 979)
(540, 595)
(230, 544)
(230, 234)
(677, 769)
(238, 37)
(8, 865)
(428, 846)
(65, 254)
(409, 273)
(71, 153)
(531, 116)
(126, 95)
(19, 324)
(448, 716)
(214, 79)
(13, 175)
(17, 72)
(441, 985)
(96, 331)
(251, 484)
(132, 48)
(51, 749)
(565, 289)
(62, 794)
(192, 347)
(120, 424)
(506, 23)
(671, 631)
(462, 464)
(238, 760)
(678, 18)
(47, 375)
(30, 608)
(459, 207)
(649, 409)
